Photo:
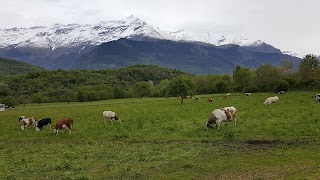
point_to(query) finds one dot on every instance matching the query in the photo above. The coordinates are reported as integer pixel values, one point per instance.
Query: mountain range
(122, 43)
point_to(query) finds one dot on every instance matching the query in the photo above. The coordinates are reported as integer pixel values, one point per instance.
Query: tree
(243, 79)
(181, 87)
(163, 87)
(308, 68)
(287, 67)
(4, 89)
(268, 77)
(205, 83)
(142, 89)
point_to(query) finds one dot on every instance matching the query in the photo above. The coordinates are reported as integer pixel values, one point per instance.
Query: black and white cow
(282, 92)
(110, 115)
(317, 98)
(43, 122)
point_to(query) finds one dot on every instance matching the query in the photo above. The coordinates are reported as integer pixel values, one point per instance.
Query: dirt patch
(264, 142)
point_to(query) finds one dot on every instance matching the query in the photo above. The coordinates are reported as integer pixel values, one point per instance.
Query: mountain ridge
(185, 56)
(71, 35)
(71, 46)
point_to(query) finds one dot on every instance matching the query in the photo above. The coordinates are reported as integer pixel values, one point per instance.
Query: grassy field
(162, 139)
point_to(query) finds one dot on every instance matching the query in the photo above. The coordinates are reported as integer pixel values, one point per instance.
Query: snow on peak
(60, 35)
(217, 39)
(299, 54)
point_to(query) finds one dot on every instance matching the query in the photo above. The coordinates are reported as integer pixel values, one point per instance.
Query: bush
(282, 85)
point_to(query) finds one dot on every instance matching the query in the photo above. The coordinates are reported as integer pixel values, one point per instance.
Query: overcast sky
(286, 24)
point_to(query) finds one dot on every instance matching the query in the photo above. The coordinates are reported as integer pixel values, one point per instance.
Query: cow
(282, 92)
(233, 112)
(210, 100)
(317, 98)
(226, 96)
(64, 123)
(112, 115)
(221, 115)
(43, 122)
(25, 122)
(248, 94)
(197, 98)
(271, 100)
(21, 117)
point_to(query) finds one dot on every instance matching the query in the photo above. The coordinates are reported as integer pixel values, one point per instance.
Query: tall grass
(162, 139)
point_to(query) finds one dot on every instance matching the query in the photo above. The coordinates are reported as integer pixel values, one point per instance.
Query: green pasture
(160, 138)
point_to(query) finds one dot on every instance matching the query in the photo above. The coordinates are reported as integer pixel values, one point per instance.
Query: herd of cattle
(64, 123)
(217, 116)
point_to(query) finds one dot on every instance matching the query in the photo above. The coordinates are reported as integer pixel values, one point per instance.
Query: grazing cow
(21, 117)
(24, 123)
(210, 100)
(112, 115)
(221, 115)
(317, 98)
(43, 122)
(248, 94)
(282, 92)
(64, 123)
(197, 98)
(233, 112)
(227, 95)
(271, 100)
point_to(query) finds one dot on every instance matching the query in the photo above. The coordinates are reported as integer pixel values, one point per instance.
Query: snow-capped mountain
(299, 54)
(217, 39)
(60, 35)
(122, 43)
(292, 54)
(71, 35)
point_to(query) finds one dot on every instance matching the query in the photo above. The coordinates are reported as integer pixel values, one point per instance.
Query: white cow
(317, 98)
(25, 122)
(221, 115)
(271, 100)
(112, 115)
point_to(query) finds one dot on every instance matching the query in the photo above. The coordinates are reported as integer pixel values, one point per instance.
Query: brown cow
(64, 123)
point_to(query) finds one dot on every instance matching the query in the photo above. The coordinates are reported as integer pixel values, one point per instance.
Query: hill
(12, 67)
(194, 58)
(81, 85)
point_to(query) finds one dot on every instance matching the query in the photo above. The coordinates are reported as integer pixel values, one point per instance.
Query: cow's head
(20, 118)
(212, 120)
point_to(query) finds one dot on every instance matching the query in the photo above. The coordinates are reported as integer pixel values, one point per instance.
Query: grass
(162, 139)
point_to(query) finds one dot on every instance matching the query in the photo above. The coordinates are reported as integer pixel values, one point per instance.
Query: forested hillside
(189, 57)
(79, 85)
(11, 67)
(153, 81)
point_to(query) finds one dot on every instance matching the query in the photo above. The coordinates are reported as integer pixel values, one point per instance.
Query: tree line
(152, 81)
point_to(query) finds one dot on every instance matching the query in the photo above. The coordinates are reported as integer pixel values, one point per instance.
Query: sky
(291, 25)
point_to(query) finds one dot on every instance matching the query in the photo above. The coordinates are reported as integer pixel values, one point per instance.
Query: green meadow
(160, 138)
